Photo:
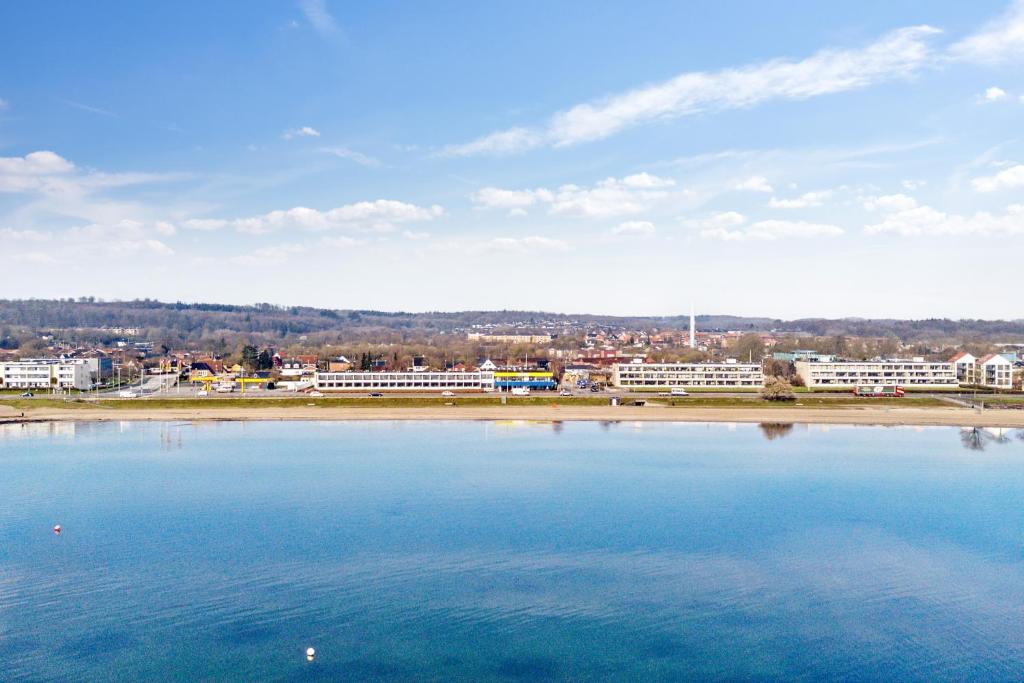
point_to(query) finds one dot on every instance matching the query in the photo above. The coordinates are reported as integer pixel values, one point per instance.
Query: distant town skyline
(803, 160)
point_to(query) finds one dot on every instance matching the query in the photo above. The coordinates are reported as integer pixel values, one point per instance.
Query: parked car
(565, 392)
(447, 393)
(678, 391)
(316, 394)
(376, 394)
(202, 392)
(27, 394)
(127, 394)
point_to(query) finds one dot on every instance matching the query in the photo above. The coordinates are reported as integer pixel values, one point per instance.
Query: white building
(846, 374)
(668, 375)
(405, 381)
(964, 364)
(993, 371)
(46, 373)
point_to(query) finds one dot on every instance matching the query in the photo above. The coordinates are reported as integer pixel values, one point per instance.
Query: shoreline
(868, 415)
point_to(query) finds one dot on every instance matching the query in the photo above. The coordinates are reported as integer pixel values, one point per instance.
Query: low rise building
(530, 379)
(46, 373)
(405, 381)
(963, 363)
(915, 373)
(993, 370)
(803, 354)
(668, 375)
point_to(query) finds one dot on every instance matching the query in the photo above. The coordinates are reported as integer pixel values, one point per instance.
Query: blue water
(488, 551)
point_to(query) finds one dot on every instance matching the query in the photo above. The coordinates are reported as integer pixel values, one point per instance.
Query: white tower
(693, 329)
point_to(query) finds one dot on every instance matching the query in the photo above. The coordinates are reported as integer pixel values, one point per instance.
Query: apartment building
(993, 370)
(667, 375)
(46, 373)
(404, 381)
(846, 374)
(964, 362)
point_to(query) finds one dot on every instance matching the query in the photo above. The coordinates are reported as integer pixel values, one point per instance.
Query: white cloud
(318, 16)
(497, 198)
(380, 215)
(304, 132)
(913, 184)
(3, 104)
(898, 54)
(1006, 179)
(803, 201)
(998, 41)
(500, 143)
(927, 221)
(610, 197)
(994, 94)
(754, 184)
(352, 155)
(646, 181)
(890, 202)
(413, 235)
(732, 226)
(165, 228)
(634, 228)
(205, 224)
(32, 172)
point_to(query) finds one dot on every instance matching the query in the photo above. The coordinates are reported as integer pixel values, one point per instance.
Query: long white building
(405, 381)
(46, 373)
(845, 374)
(668, 375)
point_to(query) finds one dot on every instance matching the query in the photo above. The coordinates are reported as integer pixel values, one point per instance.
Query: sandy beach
(868, 415)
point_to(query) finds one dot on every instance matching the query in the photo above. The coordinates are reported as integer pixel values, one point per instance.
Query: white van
(127, 394)
(520, 391)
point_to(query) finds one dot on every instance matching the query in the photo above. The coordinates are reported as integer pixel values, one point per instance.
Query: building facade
(404, 381)
(916, 373)
(993, 370)
(668, 375)
(46, 373)
(529, 379)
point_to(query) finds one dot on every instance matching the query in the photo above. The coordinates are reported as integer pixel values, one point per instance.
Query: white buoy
(310, 653)
(56, 529)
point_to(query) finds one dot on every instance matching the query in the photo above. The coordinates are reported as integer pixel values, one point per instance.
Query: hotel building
(405, 381)
(845, 374)
(668, 375)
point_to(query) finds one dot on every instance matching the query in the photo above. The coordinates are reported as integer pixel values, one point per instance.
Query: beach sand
(867, 415)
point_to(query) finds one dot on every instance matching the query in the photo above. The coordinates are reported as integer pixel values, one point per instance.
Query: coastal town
(571, 359)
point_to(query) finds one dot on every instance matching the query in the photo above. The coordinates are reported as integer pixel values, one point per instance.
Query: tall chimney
(693, 329)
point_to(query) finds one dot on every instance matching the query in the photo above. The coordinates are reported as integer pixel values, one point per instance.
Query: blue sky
(785, 159)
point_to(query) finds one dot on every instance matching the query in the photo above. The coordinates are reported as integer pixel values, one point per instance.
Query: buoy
(310, 653)
(56, 529)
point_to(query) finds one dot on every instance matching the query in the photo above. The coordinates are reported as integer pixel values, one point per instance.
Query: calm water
(473, 551)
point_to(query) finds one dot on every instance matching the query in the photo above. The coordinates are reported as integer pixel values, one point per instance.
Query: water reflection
(775, 430)
(977, 438)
